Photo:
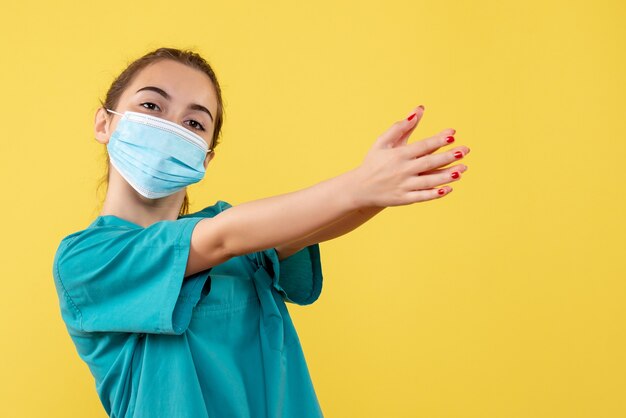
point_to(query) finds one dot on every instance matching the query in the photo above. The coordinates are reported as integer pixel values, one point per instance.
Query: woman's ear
(208, 158)
(101, 126)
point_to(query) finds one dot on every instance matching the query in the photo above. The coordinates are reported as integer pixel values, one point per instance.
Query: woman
(183, 315)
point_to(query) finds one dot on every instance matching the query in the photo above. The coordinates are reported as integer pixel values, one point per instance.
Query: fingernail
(412, 116)
(458, 154)
(450, 139)
(441, 191)
(455, 175)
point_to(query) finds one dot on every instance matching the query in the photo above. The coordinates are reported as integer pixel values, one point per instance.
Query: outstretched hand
(396, 173)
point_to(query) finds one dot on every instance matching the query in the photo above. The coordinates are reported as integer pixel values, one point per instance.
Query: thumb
(419, 112)
(401, 130)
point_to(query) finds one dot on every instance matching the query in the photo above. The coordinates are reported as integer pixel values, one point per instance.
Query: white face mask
(155, 156)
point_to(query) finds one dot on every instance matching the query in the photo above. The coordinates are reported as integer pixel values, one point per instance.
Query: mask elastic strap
(113, 111)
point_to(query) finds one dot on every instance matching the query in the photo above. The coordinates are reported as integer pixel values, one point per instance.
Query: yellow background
(506, 298)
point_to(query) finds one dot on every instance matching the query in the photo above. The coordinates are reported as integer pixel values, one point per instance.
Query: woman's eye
(196, 125)
(150, 106)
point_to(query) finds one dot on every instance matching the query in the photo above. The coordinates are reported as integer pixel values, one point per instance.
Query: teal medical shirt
(217, 344)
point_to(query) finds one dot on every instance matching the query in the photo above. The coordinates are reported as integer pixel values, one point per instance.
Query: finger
(459, 167)
(441, 159)
(428, 194)
(423, 182)
(429, 145)
(418, 117)
(389, 137)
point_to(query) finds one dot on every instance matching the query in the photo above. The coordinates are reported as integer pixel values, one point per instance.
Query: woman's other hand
(395, 173)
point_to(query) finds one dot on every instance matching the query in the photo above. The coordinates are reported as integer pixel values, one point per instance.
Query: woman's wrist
(356, 199)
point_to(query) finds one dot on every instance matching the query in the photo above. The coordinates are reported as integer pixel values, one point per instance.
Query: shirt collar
(106, 220)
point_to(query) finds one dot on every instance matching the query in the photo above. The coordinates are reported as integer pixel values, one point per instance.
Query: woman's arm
(346, 224)
(272, 221)
(341, 227)
(388, 176)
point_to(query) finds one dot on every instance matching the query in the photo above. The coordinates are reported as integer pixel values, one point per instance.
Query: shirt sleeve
(298, 278)
(120, 279)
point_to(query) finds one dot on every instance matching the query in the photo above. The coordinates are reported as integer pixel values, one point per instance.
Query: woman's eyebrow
(156, 89)
(201, 108)
(162, 92)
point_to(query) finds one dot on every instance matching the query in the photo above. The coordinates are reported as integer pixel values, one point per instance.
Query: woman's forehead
(179, 81)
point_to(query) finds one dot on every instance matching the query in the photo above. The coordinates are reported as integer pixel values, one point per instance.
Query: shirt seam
(66, 293)
(227, 306)
(167, 318)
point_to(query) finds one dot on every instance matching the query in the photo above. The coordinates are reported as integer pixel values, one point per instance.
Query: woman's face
(169, 90)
